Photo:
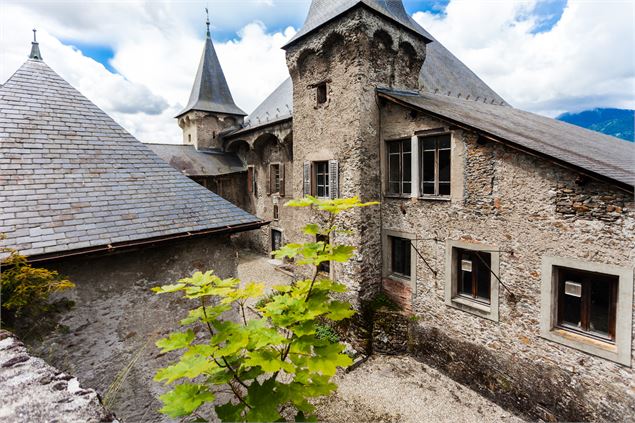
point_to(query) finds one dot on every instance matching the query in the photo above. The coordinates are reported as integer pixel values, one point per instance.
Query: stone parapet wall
(33, 391)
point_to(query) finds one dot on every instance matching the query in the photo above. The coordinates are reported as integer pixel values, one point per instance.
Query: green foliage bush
(25, 290)
(272, 365)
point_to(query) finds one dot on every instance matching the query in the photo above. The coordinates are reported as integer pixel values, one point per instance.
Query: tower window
(189, 138)
(322, 94)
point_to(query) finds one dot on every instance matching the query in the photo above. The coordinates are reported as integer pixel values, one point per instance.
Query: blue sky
(136, 59)
(227, 24)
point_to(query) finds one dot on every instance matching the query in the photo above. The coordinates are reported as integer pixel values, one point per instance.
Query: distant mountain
(619, 123)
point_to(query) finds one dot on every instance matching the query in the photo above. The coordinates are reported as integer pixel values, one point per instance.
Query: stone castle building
(510, 237)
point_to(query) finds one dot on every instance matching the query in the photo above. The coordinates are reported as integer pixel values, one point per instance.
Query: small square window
(471, 278)
(399, 256)
(322, 93)
(588, 306)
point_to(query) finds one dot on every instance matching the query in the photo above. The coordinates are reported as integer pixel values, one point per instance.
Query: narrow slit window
(274, 170)
(322, 93)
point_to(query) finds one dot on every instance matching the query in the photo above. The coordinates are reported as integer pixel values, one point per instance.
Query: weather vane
(207, 22)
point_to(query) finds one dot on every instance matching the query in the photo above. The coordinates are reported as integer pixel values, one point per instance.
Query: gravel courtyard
(388, 388)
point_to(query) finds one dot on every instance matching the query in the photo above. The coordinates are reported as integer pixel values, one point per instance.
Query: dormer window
(322, 93)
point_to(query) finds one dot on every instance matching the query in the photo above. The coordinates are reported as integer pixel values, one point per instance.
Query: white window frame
(487, 311)
(618, 351)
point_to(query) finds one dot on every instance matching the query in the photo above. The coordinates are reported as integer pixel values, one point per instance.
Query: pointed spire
(35, 48)
(210, 92)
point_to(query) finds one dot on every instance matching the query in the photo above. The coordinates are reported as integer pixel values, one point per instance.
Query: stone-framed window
(276, 239)
(435, 165)
(399, 165)
(399, 258)
(276, 179)
(321, 178)
(471, 278)
(588, 306)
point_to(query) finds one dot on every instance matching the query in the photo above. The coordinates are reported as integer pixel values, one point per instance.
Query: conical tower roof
(210, 92)
(89, 183)
(323, 11)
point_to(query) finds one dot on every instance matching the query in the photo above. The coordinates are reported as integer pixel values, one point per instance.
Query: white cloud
(156, 57)
(584, 61)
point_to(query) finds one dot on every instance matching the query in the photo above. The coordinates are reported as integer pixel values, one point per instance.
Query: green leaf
(269, 361)
(339, 310)
(166, 289)
(341, 253)
(176, 341)
(264, 401)
(288, 251)
(184, 399)
(189, 367)
(212, 313)
(312, 229)
(230, 412)
(328, 358)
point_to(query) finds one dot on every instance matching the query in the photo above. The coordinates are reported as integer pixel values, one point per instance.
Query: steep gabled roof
(442, 72)
(71, 178)
(323, 11)
(597, 153)
(192, 162)
(210, 92)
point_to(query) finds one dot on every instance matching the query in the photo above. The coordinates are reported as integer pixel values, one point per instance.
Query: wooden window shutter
(250, 179)
(281, 192)
(334, 179)
(269, 180)
(306, 179)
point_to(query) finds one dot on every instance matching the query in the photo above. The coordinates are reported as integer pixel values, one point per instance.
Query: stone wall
(33, 391)
(525, 208)
(111, 331)
(353, 54)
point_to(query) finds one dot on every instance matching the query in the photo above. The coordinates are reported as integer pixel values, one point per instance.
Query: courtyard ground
(388, 388)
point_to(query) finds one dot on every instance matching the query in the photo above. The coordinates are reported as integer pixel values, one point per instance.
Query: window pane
(444, 142)
(428, 166)
(571, 307)
(394, 171)
(599, 320)
(400, 252)
(393, 187)
(444, 189)
(429, 143)
(407, 188)
(406, 145)
(465, 267)
(393, 147)
(407, 165)
(444, 166)
(428, 188)
(484, 276)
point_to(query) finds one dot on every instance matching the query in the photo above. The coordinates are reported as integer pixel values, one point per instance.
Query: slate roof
(601, 154)
(192, 162)
(71, 178)
(442, 73)
(210, 92)
(323, 11)
(277, 107)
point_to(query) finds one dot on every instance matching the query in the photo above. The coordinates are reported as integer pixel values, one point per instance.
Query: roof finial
(207, 22)
(35, 47)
